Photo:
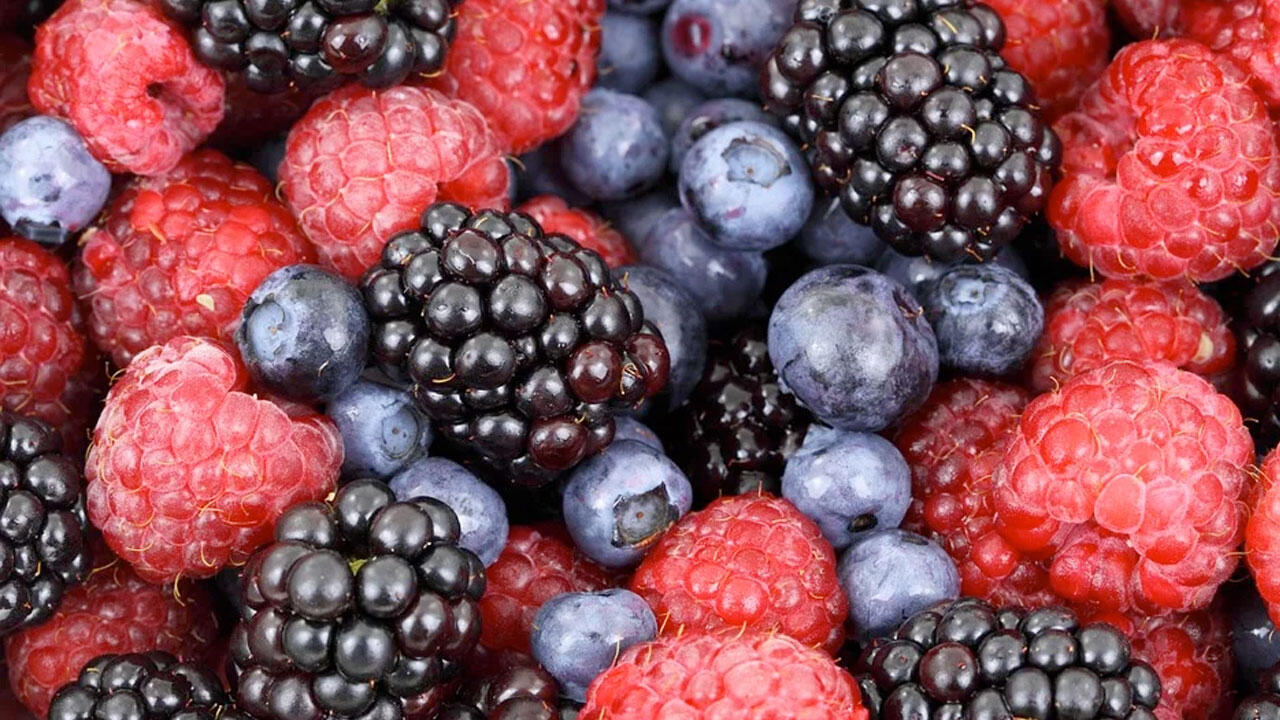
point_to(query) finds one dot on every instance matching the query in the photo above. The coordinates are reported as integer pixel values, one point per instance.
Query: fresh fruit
(674, 99)
(1262, 538)
(1255, 382)
(578, 635)
(516, 689)
(914, 272)
(1147, 18)
(986, 319)
(50, 186)
(1244, 33)
(905, 574)
(382, 429)
(676, 315)
(718, 45)
(629, 55)
(831, 237)
(482, 516)
(1265, 704)
(15, 69)
(585, 227)
(617, 149)
(1255, 645)
(154, 685)
(710, 115)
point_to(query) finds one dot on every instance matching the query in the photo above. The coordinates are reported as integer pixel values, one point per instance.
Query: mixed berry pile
(639, 359)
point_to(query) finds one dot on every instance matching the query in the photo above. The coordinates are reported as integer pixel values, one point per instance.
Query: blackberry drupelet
(151, 686)
(362, 608)
(519, 345)
(913, 120)
(43, 548)
(318, 44)
(519, 689)
(1255, 381)
(737, 430)
(1264, 704)
(965, 659)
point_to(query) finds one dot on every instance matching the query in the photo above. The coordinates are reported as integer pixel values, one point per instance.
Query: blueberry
(1253, 635)
(267, 158)
(719, 46)
(382, 429)
(304, 333)
(986, 318)
(726, 283)
(684, 329)
(629, 58)
(854, 347)
(628, 428)
(617, 149)
(850, 483)
(618, 503)
(639, 6)
(831, 237)
(578, 635)
(480, 510)
(539, 173)
(913, 271)
(634, 218)
(50, 186)
(748, 185)
(673, 98)
(890, 575)
(707, 117)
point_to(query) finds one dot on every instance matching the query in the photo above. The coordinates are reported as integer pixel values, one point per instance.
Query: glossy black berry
(150, 686)
(517, 689)
(1255, 380)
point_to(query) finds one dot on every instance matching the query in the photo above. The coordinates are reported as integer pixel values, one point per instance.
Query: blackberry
(362, 608)
(518, 690)
(318, 44)
(1255, 381)
(1265, 704)
(965, 659)
(43, 547)
(519, 345)
(736, 431)
(151, 686)
(913, 120)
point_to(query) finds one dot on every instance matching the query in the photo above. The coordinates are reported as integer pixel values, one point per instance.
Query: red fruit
(749, 562)
(1089, 324)
(585, 227)
(723, 676)
(180, 253)
(1262, 538)
(1148, 18)
(1129, 478)
(1170, 168)
(1247, 32)
(15, 68)
(524, 64)
(536, 565)
(189, 470)
(126, 78)
(363, 164)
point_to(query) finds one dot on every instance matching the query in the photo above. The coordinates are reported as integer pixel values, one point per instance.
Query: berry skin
(674, 99)
(986, 318)
(382, 429)
(1129, 479)
(516, 688)
(684, 328)
(124, 76)
(1262, 536)
(154, 683)
(718, 45)
(179, 254)
(1244, 32)
(585, 227)
(629, 55)
(747, 561)
(50, 186)
(831, 237)
(891, 574)
(1089, 324)
(362, 164)
(578, 635)
(1170, 168)
(15, 69)
(482, 516)
(708, 116)
(617, 149)
(188, 471)
(1148, 18)
(915, 272)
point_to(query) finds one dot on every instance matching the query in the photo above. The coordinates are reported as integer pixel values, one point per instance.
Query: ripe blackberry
(518, 689)
(154, 686)
(42, 522)
(519, 344)
(1255, 380)
(362, 608)
(317, 44)
(1264, 704)
(913, 119)
(736, 431)
(965, 659)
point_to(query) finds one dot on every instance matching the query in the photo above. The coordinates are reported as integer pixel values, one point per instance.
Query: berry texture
(718, 45)
(15, 69)
(1148, 18)
(891, 574)
(152, 685)
(50, 186)
(684, 328)
(188, 471)
(482, 516)
(516, 689)
(617, 149)
(585, 227)
(179, 254)
(986, 318)
(382, 429)
(362, 164)
(577, 636)
(831, 237)
(1255, 383)
(629, 55)
(143, 110)
(1244, 33)
(1170, 168)
(1262, 536)
(707, 116)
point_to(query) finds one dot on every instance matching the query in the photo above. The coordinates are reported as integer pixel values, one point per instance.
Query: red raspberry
(1062, 47)
(1148, 18)
(1170, 168)
(585, 227)
(1089, 324)
(363, 164)
(15, 68)
(1131, 478)
(188, 470)
(536, 565)
(743, 676)
(125, 77)
(525, 64)
(746, 561)
(114, 611)
(1262, 538)
(179, 254)
(1245, 31)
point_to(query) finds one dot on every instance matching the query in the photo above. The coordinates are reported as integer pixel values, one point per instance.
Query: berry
(253, 118)
(750, 562)
(362, 164)
(628, 428)
(1243, 32)
(15, 69)
(1130, 479)
(519, 345)
(617, 149)
(382, 429)
(1148, 18)
(639, 7)
(917, 124)
(891, 574)
(179, 254)
(831, 237)
(188, 471)
(540, 173)
(1187, 191)
(634, 218)
(142, 109)
(629, 58)
(583, 226)
(1262, 537)
(515, 689)
(1255, 382)
(718, 45)
(50, 186)
(710, 115)
(578, 635)
(1255, 645)
(986, 318)
(675, 313)
(915, 272)
(482, 516)
(674, 99)
(154, 685)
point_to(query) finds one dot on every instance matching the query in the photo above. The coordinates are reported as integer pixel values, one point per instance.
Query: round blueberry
(578, 635)
(629, 57)
(50, 185)
(890, 575)
(748, 185)
(267, 158)
(707, 117)
(719, 46)
(480, 510)
(629, 428)
(831, 237)
(913, 271)
(639, 6)
(634, 218)
(673, 98)
(1253, 636)
(674, 311)
(382, 429)
(304, 333)
(726, 283)
(617, 149)
(538, 172)
(986, 318)
(853, 347)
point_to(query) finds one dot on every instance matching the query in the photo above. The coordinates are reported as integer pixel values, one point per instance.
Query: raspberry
(525, 64)
(585, 227)
(1262, 537)
(1148, 18)
(15, 68)
(126, 78)
(1246, 32)
(1170, 168)
(179, 254)
(114, 611)
(363, 164)
(1061, 47)
(188, 471)
(744, 676)
(1129, 478)
(536, 565)
(1089, 324)
(745, 561)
